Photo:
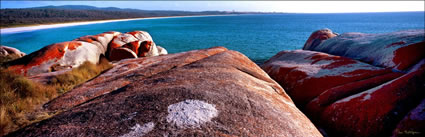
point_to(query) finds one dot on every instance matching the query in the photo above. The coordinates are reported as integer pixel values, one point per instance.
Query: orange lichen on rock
(133, 33)
(145, 47)
(72, 45)
(399, 50)
(406, 56)
(307, 74)
(113, 44)
(88, 39)
(49, 53)
(134, 46)
(379, 108)
(87, 48)
(353, 100)
(317, 105)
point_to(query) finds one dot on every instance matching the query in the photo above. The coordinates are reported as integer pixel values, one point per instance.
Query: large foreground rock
(357, 84)
(212, 92)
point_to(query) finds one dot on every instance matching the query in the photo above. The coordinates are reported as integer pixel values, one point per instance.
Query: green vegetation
(18, 97)
(79, 75)
(21, 98)
(61, 14)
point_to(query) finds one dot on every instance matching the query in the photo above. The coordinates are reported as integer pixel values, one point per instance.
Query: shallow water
(257, 36)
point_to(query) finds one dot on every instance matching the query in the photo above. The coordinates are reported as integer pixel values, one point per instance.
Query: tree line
(16, 17)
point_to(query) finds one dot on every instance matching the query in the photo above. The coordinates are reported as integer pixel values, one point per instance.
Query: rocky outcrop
(307, 74)
(132, 45)
(71, 54)
(63, 55)
(211, 92)
(357, 84)
(7, 51)
(317, 37)
(399, 50)
(379, 108)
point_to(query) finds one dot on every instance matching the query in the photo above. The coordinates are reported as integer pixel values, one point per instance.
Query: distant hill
(85, 7)
(72, 13)
(72, 7)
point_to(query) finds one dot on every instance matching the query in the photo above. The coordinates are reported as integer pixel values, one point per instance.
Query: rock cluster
(132, 45)
(357, 84)
(210, 92)
(71, 54)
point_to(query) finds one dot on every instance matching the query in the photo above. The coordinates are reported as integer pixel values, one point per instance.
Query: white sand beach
(48, 26)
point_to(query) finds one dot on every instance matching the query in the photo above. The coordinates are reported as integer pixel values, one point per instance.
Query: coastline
(60, 25)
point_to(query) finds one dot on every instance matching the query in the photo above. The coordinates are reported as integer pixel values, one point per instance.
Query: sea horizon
(276, 32)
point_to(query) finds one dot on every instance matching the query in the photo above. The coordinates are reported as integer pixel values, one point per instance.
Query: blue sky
(263, 6)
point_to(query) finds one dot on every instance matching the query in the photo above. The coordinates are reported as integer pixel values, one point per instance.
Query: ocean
(257, 36)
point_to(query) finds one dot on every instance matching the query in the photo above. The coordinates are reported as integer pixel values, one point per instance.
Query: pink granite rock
(140, 42)
(399, 50)
(366, 102)
(375, 112)
(211, 92)
(306, 74)
(6, 51)
(56, 57)
(318, 37)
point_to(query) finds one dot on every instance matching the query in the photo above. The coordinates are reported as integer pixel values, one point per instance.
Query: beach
(59, 25)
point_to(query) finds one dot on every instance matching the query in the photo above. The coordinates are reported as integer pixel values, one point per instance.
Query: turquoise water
(257, 36)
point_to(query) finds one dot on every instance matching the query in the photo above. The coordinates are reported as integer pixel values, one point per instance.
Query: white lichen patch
(191, 113)
(138, 131)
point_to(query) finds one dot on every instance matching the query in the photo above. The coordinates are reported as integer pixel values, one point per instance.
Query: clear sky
(263, 6)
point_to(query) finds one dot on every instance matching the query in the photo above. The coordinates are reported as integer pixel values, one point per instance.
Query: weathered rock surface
(71, 54)
(318, 37)
(122, 74)
(212, 92)
(6, 51)
(380, 108)
(101, 40)
(318, 104)
(306, 74)
(346, 86)
(63, 55)
(399, 50)
(132, 45)
(56, 57)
